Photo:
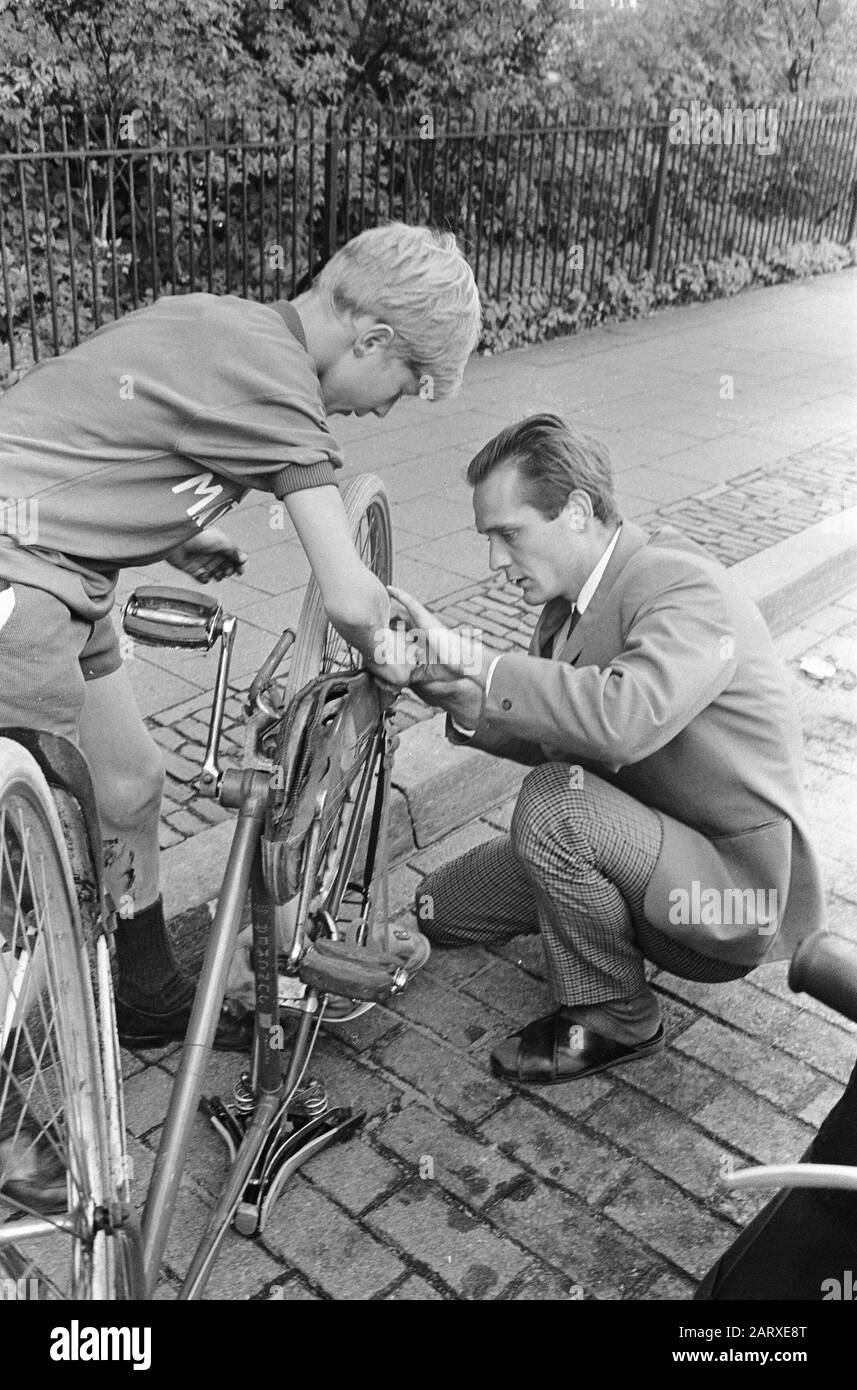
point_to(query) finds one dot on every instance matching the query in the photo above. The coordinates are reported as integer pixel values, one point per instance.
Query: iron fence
(98, 219)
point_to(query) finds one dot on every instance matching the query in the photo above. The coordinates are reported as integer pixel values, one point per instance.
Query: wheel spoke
(55, 1159)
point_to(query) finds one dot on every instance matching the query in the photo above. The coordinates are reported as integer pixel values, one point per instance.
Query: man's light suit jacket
(670, 688)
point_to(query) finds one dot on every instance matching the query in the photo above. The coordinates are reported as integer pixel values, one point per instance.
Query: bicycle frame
(246, 790)
(187, 1090)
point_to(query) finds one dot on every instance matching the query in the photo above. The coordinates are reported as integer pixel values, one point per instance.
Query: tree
(664, 51)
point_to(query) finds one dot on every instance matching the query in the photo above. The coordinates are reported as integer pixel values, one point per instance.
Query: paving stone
(462, 839)
(175, 796)
(402, 886)
(147, 1096)
(823, 1045)
(181, 769)
(443, 1075)
(416, 1290)
(767, 1070)
(670, 1287)
(211, 812)
(451, 965)
(656, 1212)
(308, 1232)
(355, 1175)
(466, 1253)
(674, 1079)
(350, 1083)
(508, 989)
(185, 823)
(526, 952)
(578, 1097)
(675, 1148)
(286, 1291)
(675, 1016)
(562, 1232)
(461, 1020)
(559, 1150)
(501, 816)
(542, 1285)
(156, 690)
(166, 737)
(365, 1031)
(746, 1123)
(241, 1266)
(472, 1171)
(435, 775)
(820, 1106)
(736, 1002)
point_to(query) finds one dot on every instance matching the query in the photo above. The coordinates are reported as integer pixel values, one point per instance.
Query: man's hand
(449, 677)
(461, 698)
(210, 555)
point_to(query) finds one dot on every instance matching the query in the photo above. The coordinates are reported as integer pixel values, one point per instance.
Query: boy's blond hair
(419, 282)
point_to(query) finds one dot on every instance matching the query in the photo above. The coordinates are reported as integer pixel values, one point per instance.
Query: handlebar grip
(825, 966)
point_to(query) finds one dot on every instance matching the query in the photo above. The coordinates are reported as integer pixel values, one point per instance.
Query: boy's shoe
(138, 1027)
(32, 1173)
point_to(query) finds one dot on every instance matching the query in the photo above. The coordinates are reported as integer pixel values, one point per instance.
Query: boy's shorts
(47, 654)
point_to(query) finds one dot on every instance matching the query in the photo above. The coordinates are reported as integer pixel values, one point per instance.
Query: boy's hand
(210, 555)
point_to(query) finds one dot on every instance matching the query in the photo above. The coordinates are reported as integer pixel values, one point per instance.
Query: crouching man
(663, 818)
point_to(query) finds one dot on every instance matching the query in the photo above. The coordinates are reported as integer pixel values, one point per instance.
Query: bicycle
(309, 850)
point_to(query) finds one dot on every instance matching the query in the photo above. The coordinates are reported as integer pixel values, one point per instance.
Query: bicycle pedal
(357, 972)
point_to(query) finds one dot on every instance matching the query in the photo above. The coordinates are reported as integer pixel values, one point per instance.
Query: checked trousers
(574, 867)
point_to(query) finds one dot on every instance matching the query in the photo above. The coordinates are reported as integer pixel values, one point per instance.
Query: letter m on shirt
(204, 490)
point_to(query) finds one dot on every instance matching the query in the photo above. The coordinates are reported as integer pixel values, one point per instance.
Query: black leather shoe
(554, 1049)
(32, 1173)
(144, 1028)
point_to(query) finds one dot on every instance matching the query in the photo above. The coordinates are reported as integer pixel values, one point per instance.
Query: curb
(439, 787)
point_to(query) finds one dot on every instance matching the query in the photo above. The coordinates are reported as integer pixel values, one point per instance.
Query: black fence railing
(98, 220)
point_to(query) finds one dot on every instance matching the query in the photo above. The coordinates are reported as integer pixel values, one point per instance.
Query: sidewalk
(459, 1186)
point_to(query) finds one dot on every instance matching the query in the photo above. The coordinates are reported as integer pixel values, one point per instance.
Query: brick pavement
(461, 1187)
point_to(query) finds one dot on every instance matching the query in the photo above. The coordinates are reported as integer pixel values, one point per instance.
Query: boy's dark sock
(150, 977)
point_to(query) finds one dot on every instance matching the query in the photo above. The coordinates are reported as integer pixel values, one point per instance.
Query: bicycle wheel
(59, 1189)
(318, 647)
(342, 895)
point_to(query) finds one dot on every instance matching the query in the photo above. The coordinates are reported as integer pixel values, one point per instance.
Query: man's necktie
(563, 633)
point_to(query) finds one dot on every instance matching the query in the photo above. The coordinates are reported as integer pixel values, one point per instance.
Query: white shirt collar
(584, 598)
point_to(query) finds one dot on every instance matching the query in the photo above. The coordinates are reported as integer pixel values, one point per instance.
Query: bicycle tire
(54, 1069)
(319, 650)
(318, 647)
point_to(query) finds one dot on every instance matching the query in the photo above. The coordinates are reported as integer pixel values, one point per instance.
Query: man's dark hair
(552, 461)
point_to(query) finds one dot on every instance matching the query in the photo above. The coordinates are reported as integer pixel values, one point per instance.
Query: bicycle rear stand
(308, 1127)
